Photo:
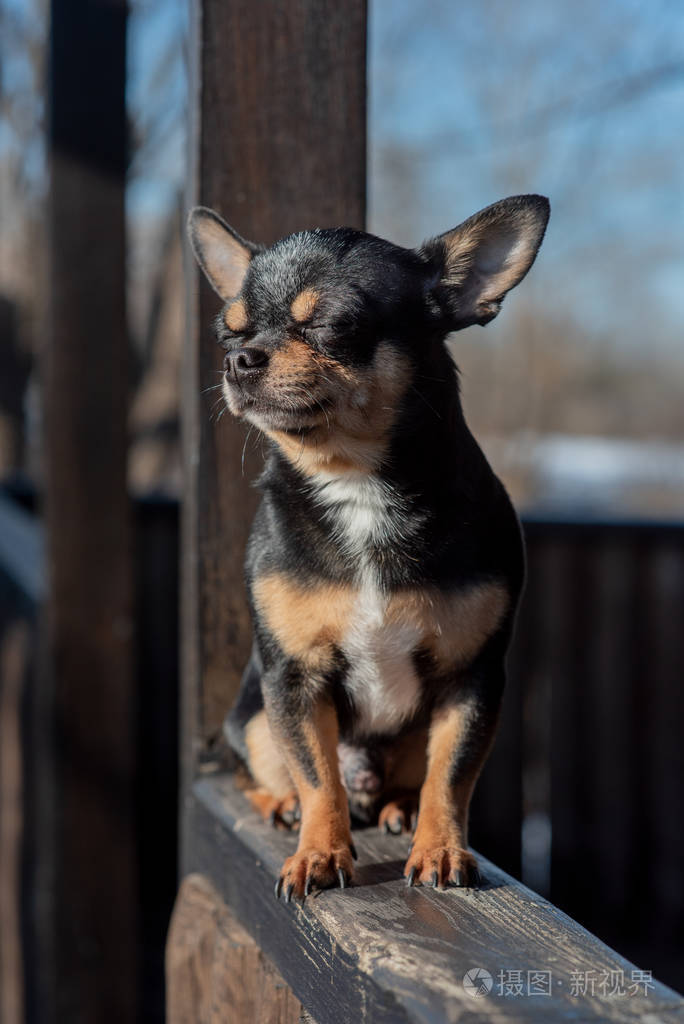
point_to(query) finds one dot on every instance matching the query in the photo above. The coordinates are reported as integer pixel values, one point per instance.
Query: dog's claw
(434, 878)
(410, 877)
(307, 885)
(342, 878)
(278, 888)
(288, 893)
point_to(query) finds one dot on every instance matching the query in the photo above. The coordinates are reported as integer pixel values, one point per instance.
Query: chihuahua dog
(385, 562)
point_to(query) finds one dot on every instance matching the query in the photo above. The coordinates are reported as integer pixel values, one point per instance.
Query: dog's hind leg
(269, 787)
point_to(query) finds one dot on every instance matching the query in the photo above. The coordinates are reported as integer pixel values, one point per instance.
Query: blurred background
(575, 391)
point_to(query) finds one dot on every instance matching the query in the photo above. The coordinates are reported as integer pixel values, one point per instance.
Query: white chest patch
(382, 679)
(362, 510)
(365, 511)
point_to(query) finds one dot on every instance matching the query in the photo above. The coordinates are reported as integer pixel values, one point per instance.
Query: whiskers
(244, 448)
(317, 402)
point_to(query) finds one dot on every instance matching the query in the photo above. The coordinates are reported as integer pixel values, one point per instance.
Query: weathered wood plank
(216, 972)
(382, 953)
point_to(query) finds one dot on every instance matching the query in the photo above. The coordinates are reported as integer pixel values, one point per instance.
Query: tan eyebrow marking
(235, 316)
(304, 304)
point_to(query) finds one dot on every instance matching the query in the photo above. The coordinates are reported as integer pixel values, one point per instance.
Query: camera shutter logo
(477, 982)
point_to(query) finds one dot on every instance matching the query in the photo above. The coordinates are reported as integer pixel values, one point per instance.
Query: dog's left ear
(478, 262)
(221, 253)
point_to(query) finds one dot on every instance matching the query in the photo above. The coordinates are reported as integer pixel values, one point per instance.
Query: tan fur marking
(306, 621)
(293, 363)
(443, 814)
(454, 625)
(441, 838)
(324, 837)
(437, 805)
(325, 811)
(304, 304)
(235, 317)
(266, 763)
(354, 432)
(312, 460)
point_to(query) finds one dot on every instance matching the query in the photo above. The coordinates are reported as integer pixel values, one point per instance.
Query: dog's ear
(478, 262)
(221, 253)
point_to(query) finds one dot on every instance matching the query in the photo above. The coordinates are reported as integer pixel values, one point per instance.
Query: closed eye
(315, 332)
(228, 339)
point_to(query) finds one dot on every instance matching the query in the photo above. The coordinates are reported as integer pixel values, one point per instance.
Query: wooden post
(90, 860)
(278, 141)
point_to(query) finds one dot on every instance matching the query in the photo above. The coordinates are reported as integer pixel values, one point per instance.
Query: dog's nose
(243, 363)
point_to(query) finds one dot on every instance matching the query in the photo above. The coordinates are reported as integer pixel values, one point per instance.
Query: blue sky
(583, 102)
(480, 99)
(469, 102)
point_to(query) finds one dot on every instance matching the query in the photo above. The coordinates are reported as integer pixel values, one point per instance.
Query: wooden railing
(378, 952)
(616, 867)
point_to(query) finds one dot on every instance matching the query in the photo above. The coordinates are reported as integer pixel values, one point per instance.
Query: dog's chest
(364, 513)
(379, 625)
(379, 647)
(367, 516)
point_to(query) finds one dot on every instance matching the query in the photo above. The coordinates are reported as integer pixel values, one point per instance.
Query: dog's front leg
(306, 730)
(461, 734)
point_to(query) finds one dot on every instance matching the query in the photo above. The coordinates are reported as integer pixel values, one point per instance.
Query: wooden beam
(92, 955)
(278, 143)
(384, 953)
(217, 973)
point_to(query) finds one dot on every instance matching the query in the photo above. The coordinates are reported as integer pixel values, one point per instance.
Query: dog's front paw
(440, 865)
(311, 869)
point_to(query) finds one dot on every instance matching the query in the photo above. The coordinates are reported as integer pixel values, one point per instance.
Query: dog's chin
(270, 416)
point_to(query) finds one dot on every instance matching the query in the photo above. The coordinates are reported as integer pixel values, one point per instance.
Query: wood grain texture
(216, 972)
(278, 143)
(380, 952)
